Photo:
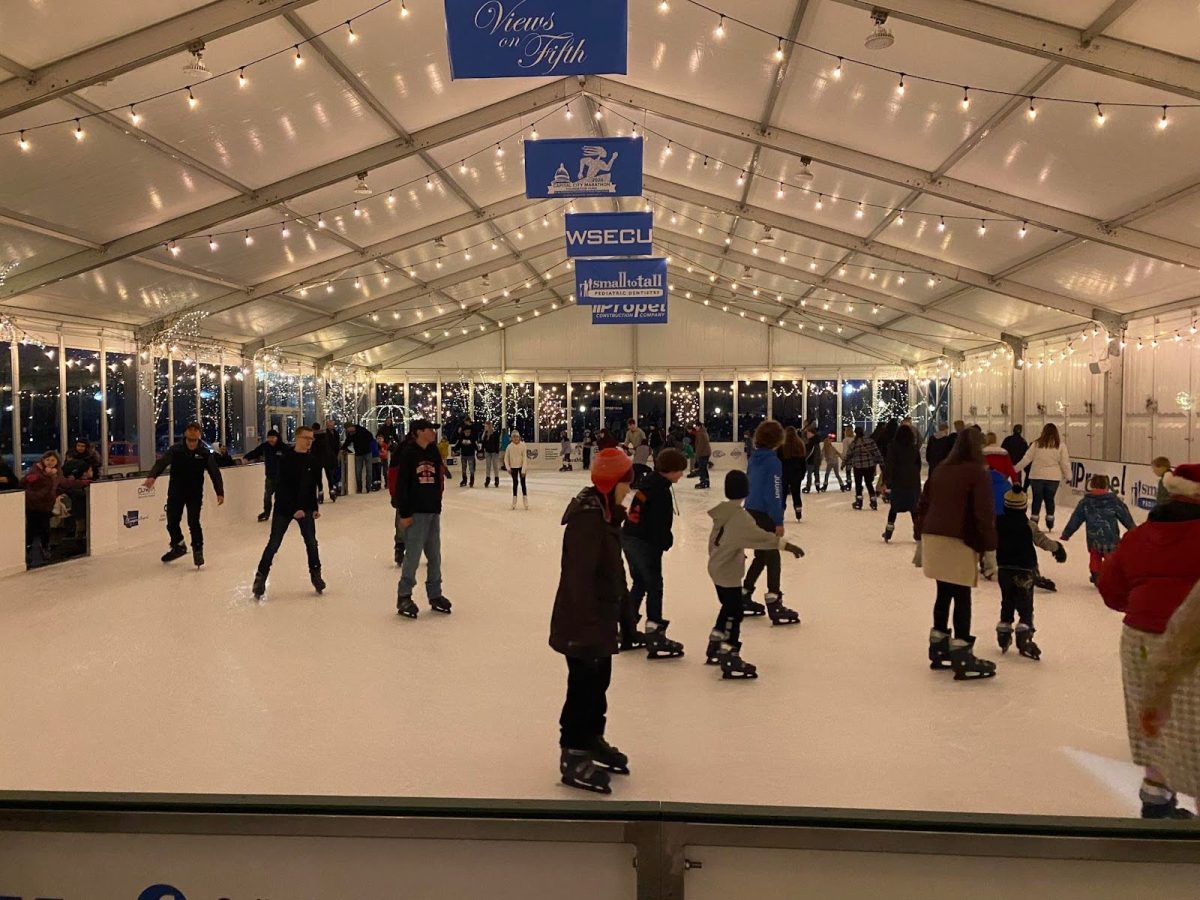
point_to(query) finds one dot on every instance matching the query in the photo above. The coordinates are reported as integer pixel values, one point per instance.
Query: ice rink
(123, 674)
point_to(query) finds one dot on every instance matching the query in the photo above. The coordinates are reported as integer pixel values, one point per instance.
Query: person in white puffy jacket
(514, 461)
(1049, 465)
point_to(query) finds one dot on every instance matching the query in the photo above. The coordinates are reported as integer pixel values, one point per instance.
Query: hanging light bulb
(499, 150)
(320, 220)
(820, 204)
(598, 115)
(134, 116)
(403, 10)
(351, 37)
(900, 86)
(391, 199)
(299, 60)
(900, 279)
(23, 142)
(900, 218)
(242, 79)
(567, 111)
(664, 7)
(357, 211)
(1024, 229)
(1031, 112)
(191, 99)
(1164, 121)
(966, 100)
(534, 134)
(462, 167)
(779, 193)
(212, 245)
(79, 135)
(941, 223)
(174, 248)
(982, 227)
(668, 151)
(1099, 115)
(779, 51)
(860, 212)
(837, 71)
(719, 31)
(741, 179)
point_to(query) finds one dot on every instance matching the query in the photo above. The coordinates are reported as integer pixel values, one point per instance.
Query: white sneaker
(525, 500)
(514, 505)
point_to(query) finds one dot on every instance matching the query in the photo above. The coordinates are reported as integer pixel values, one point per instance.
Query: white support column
(1114, 407)
(603, 390)
(199, 408)
(146, 413)
(62, 397)
(15, 414)
(737, 428)
(221, 401)
(103, 408)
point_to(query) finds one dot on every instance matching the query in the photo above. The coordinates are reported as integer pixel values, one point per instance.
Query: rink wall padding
(12, 535)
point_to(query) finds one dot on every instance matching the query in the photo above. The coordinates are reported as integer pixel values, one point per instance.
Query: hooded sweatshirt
(765, 472)
(591, 583)
(735, 531)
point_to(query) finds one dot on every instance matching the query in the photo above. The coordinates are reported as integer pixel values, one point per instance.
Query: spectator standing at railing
(328, 444)
(44, 484)
(358, 442)
(82, 461)
(9, 480)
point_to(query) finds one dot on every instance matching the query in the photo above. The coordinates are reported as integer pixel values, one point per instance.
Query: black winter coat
(1017, 447)
(298, 475)
(902, 469)
(491, 442)
(420, 478)
(794, 468)
(938, 449)
(360, 441)
(187, 470)
(9, 480)
(592, 584)
(652, 512)
(268, 454)
(326, 445)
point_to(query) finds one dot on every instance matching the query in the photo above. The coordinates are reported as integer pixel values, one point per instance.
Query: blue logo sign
(653, 313)
(610, 234)
(130, 519)
(1145, 495)
(161, 892)
(536, 38)
(621, 281)
(583, 167)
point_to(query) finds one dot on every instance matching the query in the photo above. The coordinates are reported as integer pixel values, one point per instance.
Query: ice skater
(268, 451)
(583, 626)
(466, 448)
(420, 483)
(1104, 512)
(490, 442)
(793, 458)
(188, 461)
(564, 450)
(646, 536)
(902, 478)
(1017, 565)
(514, 461)
(765, 505)
(297, 478)
(861, 459)
(833, 463)
(734, 531)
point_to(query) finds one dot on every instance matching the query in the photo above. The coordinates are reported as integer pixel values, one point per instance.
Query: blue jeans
(424, 535)
(362, 471)
(645, 571)
(280, 523)
(1042, 490)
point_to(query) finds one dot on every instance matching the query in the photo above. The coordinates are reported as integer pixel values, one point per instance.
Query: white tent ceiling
(1082, 220)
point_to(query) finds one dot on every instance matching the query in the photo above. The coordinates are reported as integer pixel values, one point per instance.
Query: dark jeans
(1042, 490)
(702, 467)
(587, 457)
(729, 619)
(960, 596)
(423, 536)
(1016, 596)
(398, 545)
(812, 472)
(175, 508)
(893, 512)
(764, 559)
(37, 528)
(333, 476)
(794, 485)
(864, 475)
(645, 571)
(518, 477)
(362, 471)
(280, 522)
(832, 467)
(467, 461)
(268, 495)
(584, 712)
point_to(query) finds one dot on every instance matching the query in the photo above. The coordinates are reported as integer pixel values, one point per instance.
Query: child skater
(833, 460)
(1017, 564)
(564, 449)
(792, 455)
(734, 531)
(1101, 509)
(583, 627)
(765, 504)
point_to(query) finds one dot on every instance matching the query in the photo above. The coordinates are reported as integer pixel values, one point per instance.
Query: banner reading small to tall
(623, 291)
(537, 38)
(583, 167)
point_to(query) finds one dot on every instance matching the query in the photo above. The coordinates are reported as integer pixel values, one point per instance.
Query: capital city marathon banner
(536, 38)
(583, 167)
(610, 234)
(652, 313)
(620, 281)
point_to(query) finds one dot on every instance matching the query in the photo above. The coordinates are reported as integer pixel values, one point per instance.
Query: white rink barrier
(12, 535)
(1134, 483)
(549, 457)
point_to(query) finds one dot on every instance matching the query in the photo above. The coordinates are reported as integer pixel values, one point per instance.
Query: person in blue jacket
(766, 504)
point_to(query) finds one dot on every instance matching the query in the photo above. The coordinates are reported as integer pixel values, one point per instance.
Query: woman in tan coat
(956, 526)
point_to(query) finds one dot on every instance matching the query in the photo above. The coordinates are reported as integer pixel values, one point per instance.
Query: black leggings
(960, 595)
(893, 512)
(518, 476)
(729, 619)
(764, 559)
(584, 712)
(794, 486)
(867, 475)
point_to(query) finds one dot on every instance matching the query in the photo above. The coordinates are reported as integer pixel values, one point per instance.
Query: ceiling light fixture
(881, 36)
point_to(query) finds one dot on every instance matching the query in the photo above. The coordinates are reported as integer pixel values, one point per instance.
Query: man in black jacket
(647, 536)
(420, 481)
(326, 445)
(188, 461)
(1015, 445)
(298, 475)
(491, 454)
(268, 451)
(939, 447)
(358, 440)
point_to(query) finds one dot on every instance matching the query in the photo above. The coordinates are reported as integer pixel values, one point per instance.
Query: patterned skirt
(1176, 751)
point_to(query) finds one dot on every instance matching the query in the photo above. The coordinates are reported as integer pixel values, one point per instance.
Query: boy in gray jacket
(734, 531)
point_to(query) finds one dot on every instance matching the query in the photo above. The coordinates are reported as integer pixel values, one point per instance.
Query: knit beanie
(1183, 481)
(610, 468)
(1016, 499)
(737, 485)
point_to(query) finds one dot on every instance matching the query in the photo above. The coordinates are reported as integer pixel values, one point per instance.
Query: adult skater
(268, 451)
(82, 462)
(297, 477)
(589, 443)
(326, 446)
(646, 536)
(833, 463)
(765, 505)
(634, 436)
(420, 483)
(564, 452)
(358, 443)
(466, 448)
(812, 459)
(703, 455)
(1147, 578)
(641, 463)
(188, 461)
(793, 456)
(583, 626)
(956, 525)
(939, 447)
(491, 455)
(902, 476)
(1049, 465)
(388, 428)
(1016, 446)
(514, 460)
(1017, 565)
(734, 531)
(862, 460)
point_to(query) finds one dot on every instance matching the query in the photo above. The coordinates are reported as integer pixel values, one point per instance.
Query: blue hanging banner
(537, 38)
(653, 313)
(610, 234)
(583, 167)
(620, 281)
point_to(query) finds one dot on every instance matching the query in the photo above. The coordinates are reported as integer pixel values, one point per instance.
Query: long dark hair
(968, 448)
(1049, 437)
(905, 437)
(793, 444)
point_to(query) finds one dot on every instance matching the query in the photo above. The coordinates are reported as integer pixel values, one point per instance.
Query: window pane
(162, 390)
(422, 400)
(892, 402)
(585, 409)
(487, 402)
(552, 412)
(235, 408)
(685, 404)
(308, 399)
(718, 410)
(787, 402)
(121, 409)
(6, 403)
(184, 392)
(210, 403)
(520, 408)
(618, 406)
(84, 402)
(456, 397)
(389, 397)
(40, 424)
(856, 405)
(752, 406)
(651, 405)
(283, 403)
(822, 405)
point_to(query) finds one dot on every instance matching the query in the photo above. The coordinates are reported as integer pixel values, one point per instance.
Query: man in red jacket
(1147, 578)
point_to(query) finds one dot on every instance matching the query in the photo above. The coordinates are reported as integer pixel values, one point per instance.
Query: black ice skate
(858, 502)
(487, 482)
(262, 517)
(780, 614)
(578, 771)
(799, 514)
(874, 503)
(1025, 645)
(939, 649)
(176, 551)
(440, 604)
(317, 581)
(1004, 636)
(1160, 802)
(712, 656)
(733, 666)
(887, 532)
(965, 664)
(606, 756)
(750, 607)
(658, 645)
(405, 607)
(198, 556)
(1049, 524)
(260, 586)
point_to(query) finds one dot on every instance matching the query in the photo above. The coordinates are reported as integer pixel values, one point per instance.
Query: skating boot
(658, 645)
(966, 665)
(1004, 636)
(780, 614)
(525, 501)
(262, 517)
(514, 503)
(874, 503)
(1025, 645)
(858, 502)
(176, 551)
(1044, 584)
(198, 556)
(405, 607)
(702, 486)
(939, 649)
(578, 771)
(1049, 524)
(750, 607)
(260, 586)
(887, 532)
(807, 489)
(799, 514)
(1160, 802)
(733, 666)
(440, 605)
(317, 581)
(716, 640)
(606, 756)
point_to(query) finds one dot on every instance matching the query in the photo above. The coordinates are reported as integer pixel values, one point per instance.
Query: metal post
(700, 413)
(199, 408)
(1114, 406)
(170, 401)
(62, 396)
(667, 390)
(537, 399)
(737, 437)
(103, 407)
(221, 401)
(603, 389)
(16, 406)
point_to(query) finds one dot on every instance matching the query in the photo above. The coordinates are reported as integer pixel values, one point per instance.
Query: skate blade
(973, 676)
(713, 661)
(406, 613)
(738, 676)
(664, 654)
(1034, 656)
(584, 786)
(753, 615)
(939, 665)
(444, 612)
(615, 770)
(786, 622)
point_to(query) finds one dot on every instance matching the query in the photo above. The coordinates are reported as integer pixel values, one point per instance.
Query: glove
(989, 565)
(1060, 554)
(794, 550)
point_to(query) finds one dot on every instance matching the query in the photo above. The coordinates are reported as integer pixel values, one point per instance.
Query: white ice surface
(122, 674)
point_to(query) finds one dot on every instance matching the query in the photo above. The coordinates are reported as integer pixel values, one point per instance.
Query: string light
(779, 51)
(1024, 229)
(212, 244)
(403, 10)
(719, 31)
(191, 99)
(429, 183)
(900, 86)
(982, 227)
(22, 142)
(357, 211)
(351, 37)
(134, 116)
(860, 212)
(249, 239)
(1099, 115)
(837, 72)
(1164, 121)
(320, 220)
(534, 134)
(664, 7)
(1031, 113)
(242, 80)
(499, 150)
(966, 100)
(779, 194)
(78, 131)
(941, 223)
(668, 151)
(299, 61)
